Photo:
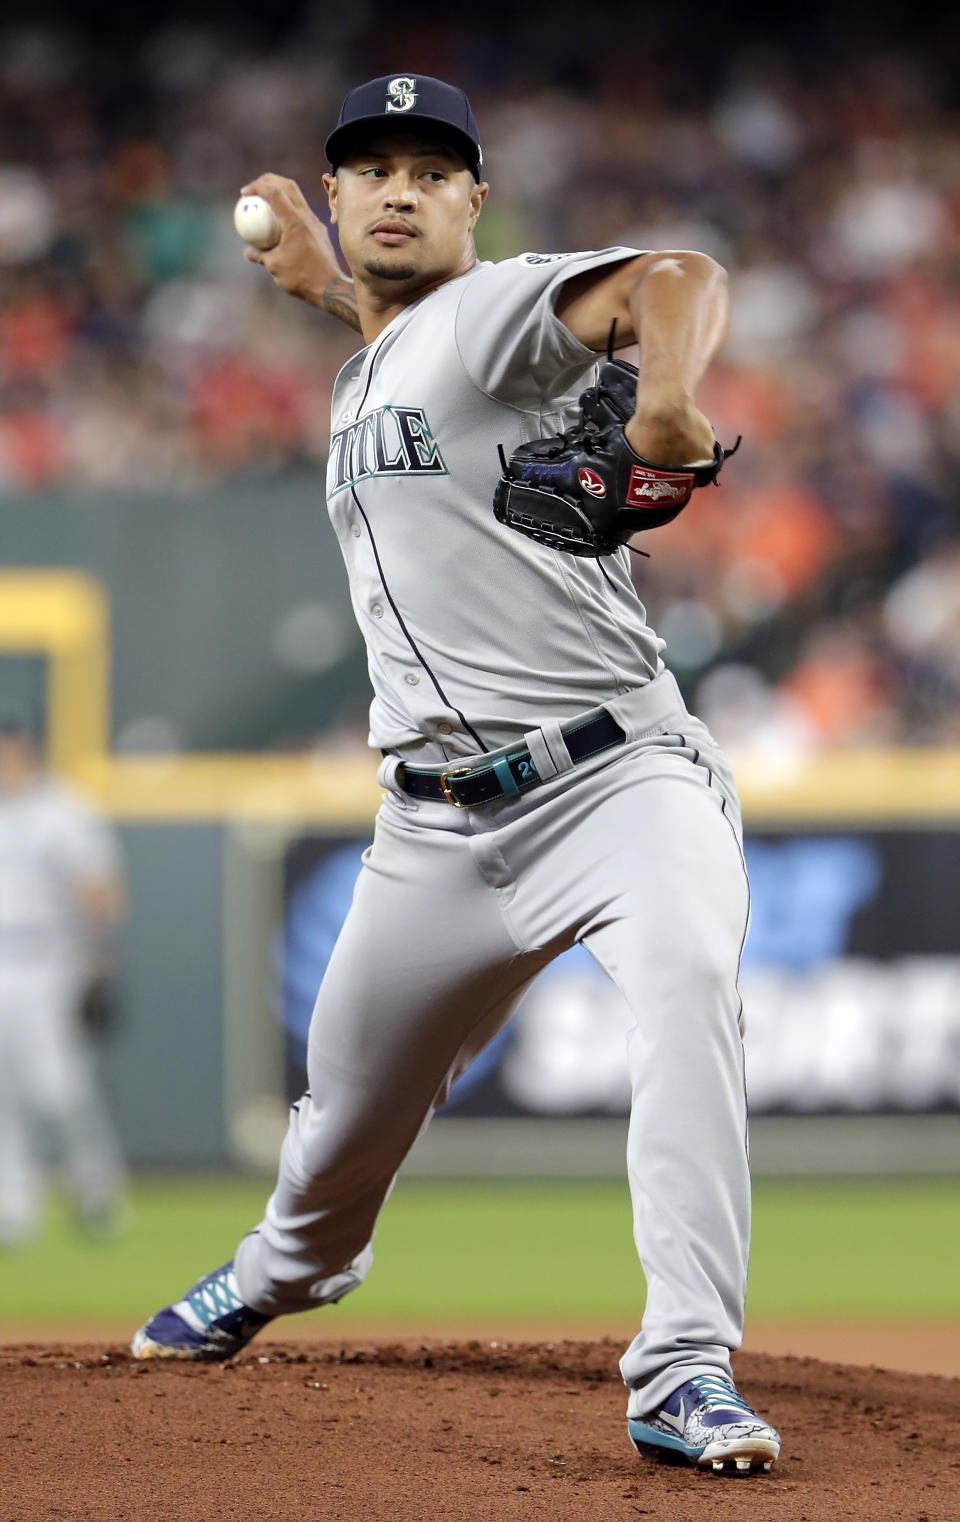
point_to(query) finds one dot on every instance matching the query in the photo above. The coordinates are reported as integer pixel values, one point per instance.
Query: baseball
(256, 222)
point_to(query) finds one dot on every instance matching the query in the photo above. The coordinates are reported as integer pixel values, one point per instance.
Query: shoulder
(66, 804)
(548, 265)
(511, 342)
(528, 278)
(526, 269)
(59, 795)
(537, 260)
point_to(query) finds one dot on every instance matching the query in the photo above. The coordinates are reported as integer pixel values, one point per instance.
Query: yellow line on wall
(336, 790)
(340, 790)
(860, 787)
(65, 616)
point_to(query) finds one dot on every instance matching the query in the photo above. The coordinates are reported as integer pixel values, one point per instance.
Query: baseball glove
(99, 1008)
(586, 491)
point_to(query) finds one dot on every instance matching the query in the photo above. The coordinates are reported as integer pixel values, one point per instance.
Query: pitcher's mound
(470, 1432)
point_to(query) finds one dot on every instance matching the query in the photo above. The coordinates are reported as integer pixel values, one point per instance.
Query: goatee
(390, 271)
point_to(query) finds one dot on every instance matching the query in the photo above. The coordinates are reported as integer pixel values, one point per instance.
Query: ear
(477, 197)
(330, 186)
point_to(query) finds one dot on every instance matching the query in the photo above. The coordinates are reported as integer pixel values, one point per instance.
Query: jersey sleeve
(512, 344)
(88, 846)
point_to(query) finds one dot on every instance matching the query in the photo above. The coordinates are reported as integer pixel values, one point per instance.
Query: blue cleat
(706, 1422)
(210, 1323)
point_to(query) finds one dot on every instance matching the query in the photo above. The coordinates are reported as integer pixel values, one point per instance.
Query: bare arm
(102, 904)
(675, 306)
(303, 263)
(101, 901)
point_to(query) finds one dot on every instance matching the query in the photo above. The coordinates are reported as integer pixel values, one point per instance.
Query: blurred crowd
(815, 600)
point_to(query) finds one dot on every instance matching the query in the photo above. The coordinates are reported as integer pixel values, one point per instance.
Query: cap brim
(343, 140)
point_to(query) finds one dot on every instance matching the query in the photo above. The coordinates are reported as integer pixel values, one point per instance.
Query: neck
(379, 301)
(16, 780)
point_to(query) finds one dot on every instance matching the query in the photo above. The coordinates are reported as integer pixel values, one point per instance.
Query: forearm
(678, 307)
(101, 902)
(312, 283)
(679, 311)
(302, 261)
(339, 298)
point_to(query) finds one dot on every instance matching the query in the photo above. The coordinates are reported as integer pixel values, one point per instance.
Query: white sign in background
(854, 1033)
(827, 1026)
(824, 1029)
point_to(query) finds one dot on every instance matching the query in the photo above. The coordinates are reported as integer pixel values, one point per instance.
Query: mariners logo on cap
(401, 94)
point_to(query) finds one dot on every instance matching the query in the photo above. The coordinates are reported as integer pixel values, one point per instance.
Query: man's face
(405, 208)
(19, 760)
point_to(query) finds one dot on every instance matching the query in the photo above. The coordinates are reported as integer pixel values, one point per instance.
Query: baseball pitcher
(543, 782)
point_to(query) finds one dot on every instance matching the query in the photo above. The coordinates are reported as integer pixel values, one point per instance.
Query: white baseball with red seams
(257, 222)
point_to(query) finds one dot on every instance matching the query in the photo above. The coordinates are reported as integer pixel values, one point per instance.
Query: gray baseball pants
(637, 854)
(48, 1079)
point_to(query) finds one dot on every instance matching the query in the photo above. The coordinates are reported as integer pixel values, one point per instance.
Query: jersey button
(445, 728)
(356, 531)
(411, 679)
(377, 610)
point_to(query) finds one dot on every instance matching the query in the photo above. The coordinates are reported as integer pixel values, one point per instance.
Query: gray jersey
(474, 633)
(51, 843)
(476, 636)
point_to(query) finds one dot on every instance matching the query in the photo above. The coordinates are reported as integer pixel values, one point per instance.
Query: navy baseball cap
(397, 98)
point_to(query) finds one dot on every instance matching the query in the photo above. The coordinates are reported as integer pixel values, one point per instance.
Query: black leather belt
(509, 775)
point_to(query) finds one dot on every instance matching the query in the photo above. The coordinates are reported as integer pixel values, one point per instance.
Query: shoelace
(715, 1391)
(216, 1297)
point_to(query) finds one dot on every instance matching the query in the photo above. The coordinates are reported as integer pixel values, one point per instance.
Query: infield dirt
(459, 1431)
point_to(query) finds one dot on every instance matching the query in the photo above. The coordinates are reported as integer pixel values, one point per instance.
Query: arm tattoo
(339, 299)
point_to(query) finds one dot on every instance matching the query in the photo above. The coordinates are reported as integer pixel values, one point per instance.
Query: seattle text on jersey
(392, 441)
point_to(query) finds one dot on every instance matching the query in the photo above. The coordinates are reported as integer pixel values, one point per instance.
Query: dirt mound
(461, 1431)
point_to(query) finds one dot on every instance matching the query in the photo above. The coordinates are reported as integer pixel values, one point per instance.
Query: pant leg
(424, 967)
(21, 1182)
(675, 956)
(60, 1085)
(643, 859)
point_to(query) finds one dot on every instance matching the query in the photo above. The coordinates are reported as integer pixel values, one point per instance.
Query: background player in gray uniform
(544, 783)
(60, 900)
